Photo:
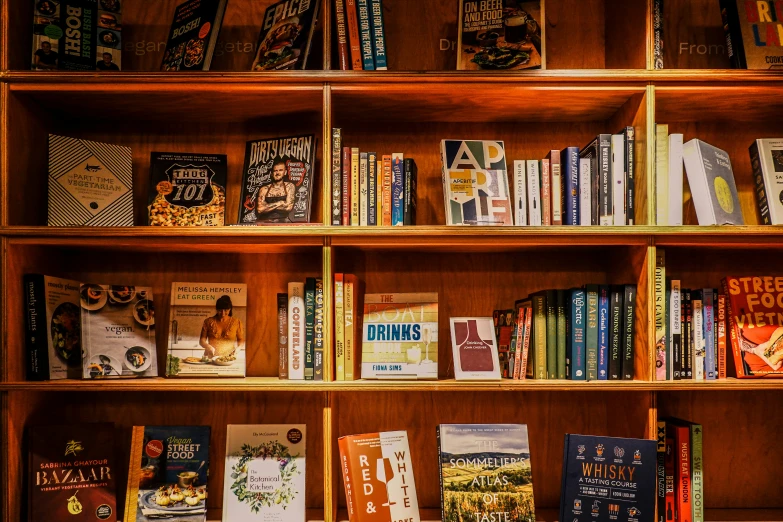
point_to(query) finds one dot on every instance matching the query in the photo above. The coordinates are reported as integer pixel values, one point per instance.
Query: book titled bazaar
(400, 336)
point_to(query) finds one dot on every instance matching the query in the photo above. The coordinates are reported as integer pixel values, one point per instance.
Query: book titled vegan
(475, 348)
(207, 330)
(485, 473)
(285, 38)
(193, 35)
(400, 336)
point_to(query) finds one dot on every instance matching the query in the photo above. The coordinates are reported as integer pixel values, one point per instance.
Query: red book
(546, 196)
(721, 334)
(353, 34)
(343, 50)
(521, 313)
(346, 188)
(683, 487)
(668, 467)
(387, 190)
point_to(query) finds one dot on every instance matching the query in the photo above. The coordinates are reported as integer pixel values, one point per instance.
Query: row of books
(680, 463)
(371, 189)
(361, 38)
(300, 326)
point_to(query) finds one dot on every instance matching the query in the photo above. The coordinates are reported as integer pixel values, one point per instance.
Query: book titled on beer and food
(264, 477)
(608, 479)
(71, 473)
(167, 475)
(400, 336)
(485, 472)
(377, 472)
(202, 340)
(193, 35)
(286, 35)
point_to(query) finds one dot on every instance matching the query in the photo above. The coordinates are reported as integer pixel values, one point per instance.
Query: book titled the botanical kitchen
(485, 473)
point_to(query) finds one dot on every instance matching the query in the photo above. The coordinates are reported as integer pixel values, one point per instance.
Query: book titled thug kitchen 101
(400, 336)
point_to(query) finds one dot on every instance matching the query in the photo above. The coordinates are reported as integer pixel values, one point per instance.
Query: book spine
(409, 212)
(353, 34)
(339, 327)
(363, 173)
(356, 186)
(540, 316)
(675, 327)
(533, 193)
(697, 472)
(440, 474)
(686, 372)
(682, 474)
(660, 313)
(733, 333)
(296, 328)
(520, 193)
(348, 480)
(546, 196)
(378, 35)
(523, 369)
(675, 180)
(318, 332)
(761, 191)
(603, 333)
(667, 320)
(517, 341)
(605, 216)
(615, 335)
(398, 189)
(628, 331)
(551, 334)
(698, 338)
(585, 193)
(36, 338)
(591, 336)
(709, 335)
(735, 47)
(556, 194)
(720, 332)
(336, 174)
(569, 160)
(661, 471)
(282, 335)
(669, 465)
(630, 175)
(134, 473)
(661, 174)
(561, 333)
(350, 341)
(387, 190)
(372, 189)
(577, 324)
(365, 34)
(343, 48)
(658, 34)
(379, 192)
(618, 178)
(309, 297)
(345, 187)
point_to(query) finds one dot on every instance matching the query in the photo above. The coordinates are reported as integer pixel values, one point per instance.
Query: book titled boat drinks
(474, 348)
(207, 330)
(286, 35)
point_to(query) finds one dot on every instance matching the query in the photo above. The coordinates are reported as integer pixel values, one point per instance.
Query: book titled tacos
(286, 36)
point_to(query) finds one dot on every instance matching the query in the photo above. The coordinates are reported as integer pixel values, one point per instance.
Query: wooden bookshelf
(599, 77)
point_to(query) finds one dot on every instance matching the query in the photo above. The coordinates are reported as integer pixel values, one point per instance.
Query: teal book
(561, 335)
(591, 339)
(551, 334)
(309, 370)
(365, 34)
(577, 323)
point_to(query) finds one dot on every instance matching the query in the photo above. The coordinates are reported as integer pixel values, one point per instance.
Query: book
(551, 334)
(591, 332)
(365, 34)
(658, 41)
(675, 180)
(629, 314)
(590, 462)
(118, 331)
(539, 355)
(603, 332)
(720, 332)
(372, 189)
(356, 187)
(77, 35)
(754, 325)
(577, 327)
(278, 180)
(318, 332)
(500, 35)
(398, 189)
(752, 34)
(193, 35)
(505, 330)
(606, 186)
(379, 192)
(546, 191)
(377, 471)
(388, 182)
(347, 187)
(400, 336)
(669, 467)
(593, 153)
(556, 193)
(712, 184)
(662, 174)
(629, 138)
(569, 160)
(265, 472)
(661, 471)
(563, 358)
(167, 475)
(475, 183)
(71, 471)
(485, 472)
(766, 159)
(585, 193)
(53, 338)
(675, 327)
(352, 20)
(187, 190)
(352, 324)
(709, 334)
(282, 335)
(699, 343)
(207, 330)
(615, 333)
(697, 471)
(411, 192)
(339, 327)
(337, 174)
(364, 168)
(378, 35)
(90, 183)
(286, 35)
(533, 193)
(686, 315)
(670, 356)
(296, 331)
(660, 316)
(343, 46)
(520, 193)
(474, 347)
(683, 486)
(618, 179)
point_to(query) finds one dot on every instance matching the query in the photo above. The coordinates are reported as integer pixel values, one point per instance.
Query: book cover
(118, 331)
(618, 179)
(71, 473)
(411, 192)
(505, 329)
(569, 160)
(264, 475)
(343, 47)
(475, 183)
(187, 190)
(278, 180)
(533, 193)
(207, 330)
(585, 193)
(282, 335)
(670, 358)
(167, 476)
(662, 174)
(546, 191)
(337, 171)
(660, 316)
(712, 184)
(474, 348)
(378, 35)
(520, 193)
(603, 332)
(353, 292)
(683, 485)
(286, 35)
(339, 327)
(502, 35)
(372, 189)
(669, 467)
(400, 336)
(615, 333)
(675, 196)
(591, 332)
(485, 472)
(193, 35)
(379, 192)
(318, 332)
(365, 34)
(766, 159)
(398, 189)
(562, 314)
(556, 193)
(377, 471)
(608, 479)
(364, 171)
(517, 340)
(686, 370)
(90, 183)
(53, 328)
(629, 313)
(353, 34)
(388, 181)
(752, 34)
(605, 187)
(77, 35)
(539, 366)
(296, 331)
(551, 334)
(577, 328)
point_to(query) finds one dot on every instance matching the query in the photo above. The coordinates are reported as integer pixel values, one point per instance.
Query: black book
(599, 153)
(372, 189)
(630, 190)
(616, 333)
(193, 35)
(409, 207)
(661, 470)
(318, 332)
(286, 36)
(675, 322)
(629, 307)
(686, 350)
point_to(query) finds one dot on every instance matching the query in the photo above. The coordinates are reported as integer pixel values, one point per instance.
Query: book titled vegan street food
(193, 35)
(284, 42)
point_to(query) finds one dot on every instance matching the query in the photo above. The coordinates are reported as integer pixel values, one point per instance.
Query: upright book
(193, 35)
(766, 159)
(475, 349)
(752, 29)
(712, 184)
(286, 35)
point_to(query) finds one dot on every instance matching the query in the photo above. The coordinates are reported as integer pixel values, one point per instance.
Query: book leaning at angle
(766, 158)
(193, 35)
(264, 477)
(71, 473)
(90, 183)
(167, 475)
(712, 184)
(475, 348)
(207, 330)
(286, 35)
(377, 471)
(752, 29)
(485, 473)
(400, 336)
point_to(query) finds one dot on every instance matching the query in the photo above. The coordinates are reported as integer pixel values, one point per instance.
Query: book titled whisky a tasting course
(193, 35)
(286, 36)
(71, 473)
(475, 348)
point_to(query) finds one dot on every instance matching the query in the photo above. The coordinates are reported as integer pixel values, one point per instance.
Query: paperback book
(193, 35)
(711, 180)
(286, 36)
(475, 348)
(766, 159)
(752, 32)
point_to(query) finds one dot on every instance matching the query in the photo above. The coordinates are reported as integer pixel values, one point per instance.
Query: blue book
(398, 190)
(365, 34)
(569, 163)
(578, 323)
(709, 335)
(378, 35)
(603, 333)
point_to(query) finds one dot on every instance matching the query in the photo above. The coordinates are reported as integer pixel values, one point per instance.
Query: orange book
(352, 296)
(353, 34)
(387, 190)
(379, 194)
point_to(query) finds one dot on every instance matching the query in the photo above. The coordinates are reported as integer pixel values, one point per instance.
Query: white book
(474, 349)
(585, 195)
(618, 179)
(661, 174)
(556, 186)
(675, 180)
(363, 170)
(533, 193)
(711, 181)
(296, 331)
(520, 193)
(766, 159)
(675, 320)
(699, 348)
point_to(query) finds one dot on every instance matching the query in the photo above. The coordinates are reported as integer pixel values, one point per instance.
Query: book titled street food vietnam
(284, 42)
(193, 35)
(71, 471)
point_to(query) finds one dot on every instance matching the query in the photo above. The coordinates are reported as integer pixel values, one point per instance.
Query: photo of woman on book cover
(222, 334)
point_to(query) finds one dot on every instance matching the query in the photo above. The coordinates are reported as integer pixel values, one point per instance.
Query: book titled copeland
(608, 479)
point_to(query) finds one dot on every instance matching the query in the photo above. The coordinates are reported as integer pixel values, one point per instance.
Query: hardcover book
(766, 158)
(475, 349)
(712, 184)
(118, 331)
(77, 35)
(286, 36)
(277, 184)
(53, 335)
(378, 35)
(187, 190)
(475, 183)
(377, 471)
(485, 472)
(752, 32)
(400, 336)
(193, 35)
(71, 473)
(90, 183)
(501, 35)
(167, 476)
(207, 330)
(608, 479)
(296, 331)
(265, 473)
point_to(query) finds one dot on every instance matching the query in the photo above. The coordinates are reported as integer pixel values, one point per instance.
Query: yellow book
(355, 187)
(339, 326)
(661, 175)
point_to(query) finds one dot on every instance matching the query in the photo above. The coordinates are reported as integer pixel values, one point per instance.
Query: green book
(592, 332)
(551, 334)
(561, 334)
(697, 469)
(309, 328)
(539, 335)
